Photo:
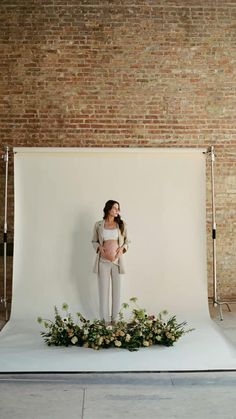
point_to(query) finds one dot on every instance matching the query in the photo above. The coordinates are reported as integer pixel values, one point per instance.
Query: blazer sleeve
(95, 239)
(126, 240)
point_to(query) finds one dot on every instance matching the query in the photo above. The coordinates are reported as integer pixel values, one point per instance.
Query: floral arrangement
(142, 330)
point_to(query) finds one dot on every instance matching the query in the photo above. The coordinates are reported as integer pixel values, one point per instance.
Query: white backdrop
(59, 194)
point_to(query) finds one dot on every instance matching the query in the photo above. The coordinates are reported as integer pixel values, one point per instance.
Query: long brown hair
(108, 206)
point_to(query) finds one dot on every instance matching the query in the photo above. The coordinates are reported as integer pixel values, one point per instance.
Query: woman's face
(114, 211)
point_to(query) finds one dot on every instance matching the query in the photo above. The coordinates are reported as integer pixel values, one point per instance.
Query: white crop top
(110, 234)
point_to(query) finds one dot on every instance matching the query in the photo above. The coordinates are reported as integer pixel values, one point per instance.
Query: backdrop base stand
(220, 303)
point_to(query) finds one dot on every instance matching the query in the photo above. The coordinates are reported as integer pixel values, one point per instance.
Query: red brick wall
(118, 73)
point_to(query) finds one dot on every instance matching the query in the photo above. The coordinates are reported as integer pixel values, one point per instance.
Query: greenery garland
(142, 330)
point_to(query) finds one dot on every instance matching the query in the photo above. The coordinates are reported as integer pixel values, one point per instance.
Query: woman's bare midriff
(110, 248)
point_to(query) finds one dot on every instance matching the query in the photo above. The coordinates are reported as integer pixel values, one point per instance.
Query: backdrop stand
(3, 300)
(216, 299)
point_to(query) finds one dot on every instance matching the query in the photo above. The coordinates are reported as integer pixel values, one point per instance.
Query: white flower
(158, 338)
(145, 343)
(74, 340)
(127, 338)
(100, 340)
(109, 327)
(117, 343)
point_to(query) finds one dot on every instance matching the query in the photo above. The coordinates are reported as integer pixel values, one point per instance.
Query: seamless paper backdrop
(60, 193)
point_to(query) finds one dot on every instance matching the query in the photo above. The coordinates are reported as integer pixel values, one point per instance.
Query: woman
(110, 242)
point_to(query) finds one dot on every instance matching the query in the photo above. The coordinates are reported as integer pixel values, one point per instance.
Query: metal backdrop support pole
(216, 300)
(5, 157)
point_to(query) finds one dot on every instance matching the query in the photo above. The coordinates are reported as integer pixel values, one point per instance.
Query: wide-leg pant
(108, 273)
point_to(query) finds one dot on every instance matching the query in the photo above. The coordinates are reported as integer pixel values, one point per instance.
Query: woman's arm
(125, 245)
(95, 240)
(123, 249)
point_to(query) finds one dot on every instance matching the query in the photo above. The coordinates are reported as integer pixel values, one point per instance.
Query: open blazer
(98, 240)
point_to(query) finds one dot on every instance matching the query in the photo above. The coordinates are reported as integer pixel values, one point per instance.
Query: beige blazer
(98, 240)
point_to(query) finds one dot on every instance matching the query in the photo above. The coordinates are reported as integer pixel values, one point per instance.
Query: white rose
(127, 338)
(100, 340)
(74, 340)
(158, 338)
(117, 343)
(109, 327)
(145, 343)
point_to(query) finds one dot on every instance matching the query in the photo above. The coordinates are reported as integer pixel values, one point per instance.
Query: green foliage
(142, 330)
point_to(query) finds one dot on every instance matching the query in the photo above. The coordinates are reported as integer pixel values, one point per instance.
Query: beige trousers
(108, 273)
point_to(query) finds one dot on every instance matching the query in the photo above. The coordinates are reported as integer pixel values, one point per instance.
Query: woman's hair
(108, 206)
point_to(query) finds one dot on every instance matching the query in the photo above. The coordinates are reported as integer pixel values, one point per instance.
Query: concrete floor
(195, 395)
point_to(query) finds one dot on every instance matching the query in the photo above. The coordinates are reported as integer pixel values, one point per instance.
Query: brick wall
(125, 74)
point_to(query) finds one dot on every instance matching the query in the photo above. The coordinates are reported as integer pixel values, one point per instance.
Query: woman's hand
(101, 251)
(119, 252)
